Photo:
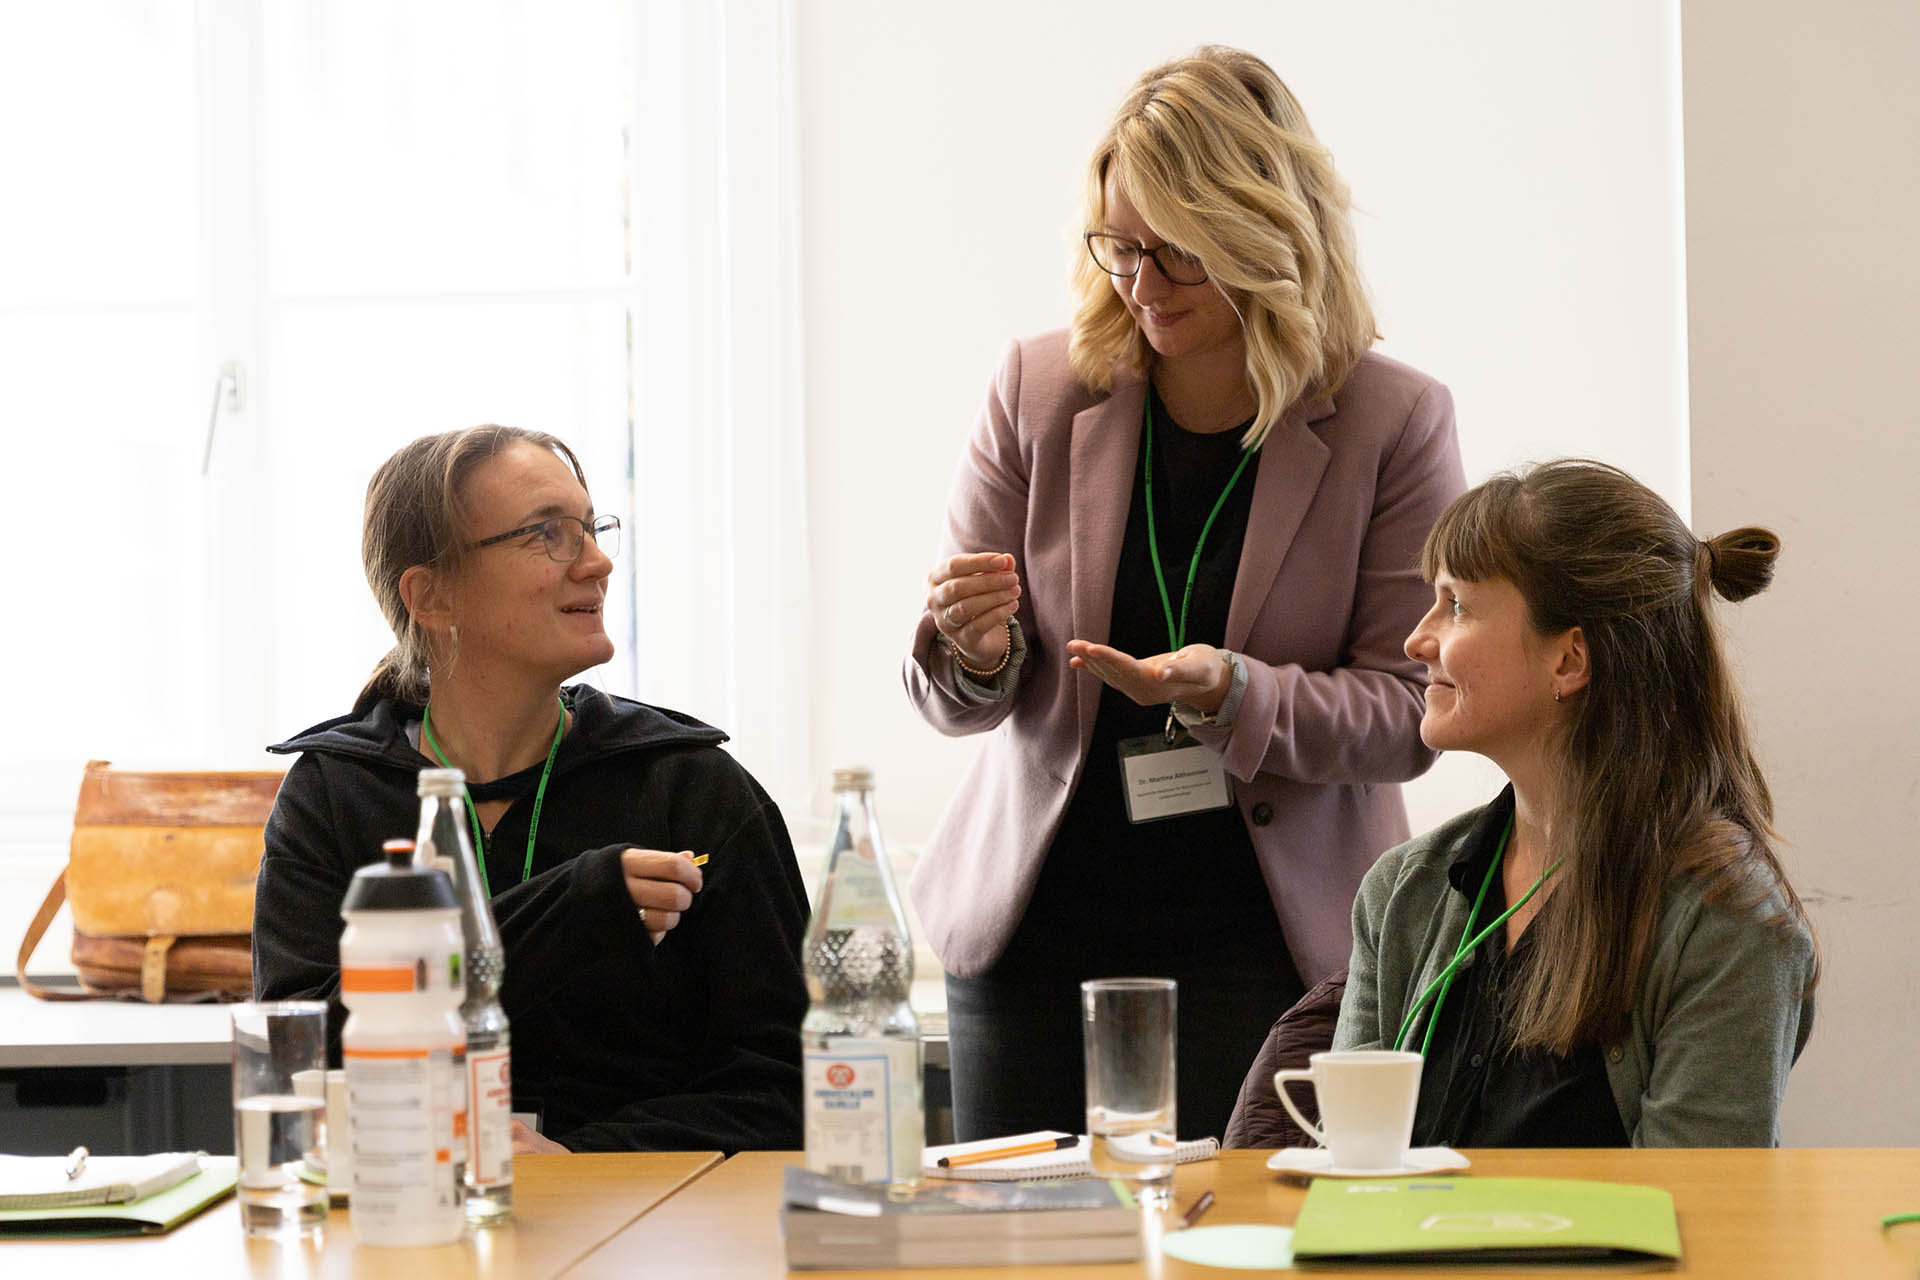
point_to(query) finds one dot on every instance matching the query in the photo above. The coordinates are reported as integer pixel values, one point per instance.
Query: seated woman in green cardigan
(1609, 953)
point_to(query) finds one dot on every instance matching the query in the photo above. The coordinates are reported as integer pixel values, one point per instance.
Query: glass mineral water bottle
(861, 1042)
(443, 842)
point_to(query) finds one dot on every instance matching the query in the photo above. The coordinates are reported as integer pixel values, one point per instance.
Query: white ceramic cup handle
(1280, 1079)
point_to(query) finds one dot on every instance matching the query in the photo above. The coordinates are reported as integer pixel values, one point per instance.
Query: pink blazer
(1327, 591)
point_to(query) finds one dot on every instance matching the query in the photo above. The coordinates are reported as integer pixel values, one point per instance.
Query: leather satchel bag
(160, 876)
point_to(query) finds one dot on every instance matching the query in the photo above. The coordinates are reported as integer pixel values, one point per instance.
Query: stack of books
(834, 1224)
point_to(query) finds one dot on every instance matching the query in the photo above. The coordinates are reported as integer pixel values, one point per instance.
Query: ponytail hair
(1656, 765)
(1739, 563)
(414, 516)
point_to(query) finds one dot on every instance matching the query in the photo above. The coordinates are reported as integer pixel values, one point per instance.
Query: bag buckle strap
(153, 968)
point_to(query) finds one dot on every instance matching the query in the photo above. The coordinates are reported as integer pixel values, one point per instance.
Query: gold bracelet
(1005, 657)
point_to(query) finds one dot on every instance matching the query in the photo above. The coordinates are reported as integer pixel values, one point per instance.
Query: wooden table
(1796, 1213)
(564, 1206)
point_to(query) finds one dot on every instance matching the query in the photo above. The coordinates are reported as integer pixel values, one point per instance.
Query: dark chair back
(1306, 1029)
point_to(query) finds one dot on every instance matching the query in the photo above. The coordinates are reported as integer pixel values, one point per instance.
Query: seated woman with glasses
(1181, 545)
(1610, 953)
(655, 1004)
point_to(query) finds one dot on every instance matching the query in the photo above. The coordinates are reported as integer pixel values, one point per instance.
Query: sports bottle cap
(398, 885)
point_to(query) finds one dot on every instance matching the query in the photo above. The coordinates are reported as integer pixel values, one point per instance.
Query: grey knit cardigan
(1723, 1012)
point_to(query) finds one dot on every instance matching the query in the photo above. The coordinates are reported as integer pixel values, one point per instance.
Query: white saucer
(1317, 1162)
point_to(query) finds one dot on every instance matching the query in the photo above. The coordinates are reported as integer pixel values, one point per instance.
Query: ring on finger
(643, 917)
(955, 614)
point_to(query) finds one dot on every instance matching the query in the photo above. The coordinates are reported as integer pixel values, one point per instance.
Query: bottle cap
(853, 777)
(397, 885)
(442, 782)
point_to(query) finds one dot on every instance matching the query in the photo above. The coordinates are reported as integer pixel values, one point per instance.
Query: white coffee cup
(1367, 1099)
(332, 1085)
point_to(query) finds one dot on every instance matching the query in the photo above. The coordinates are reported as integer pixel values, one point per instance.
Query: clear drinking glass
(1130, 1046)
(279, 1133)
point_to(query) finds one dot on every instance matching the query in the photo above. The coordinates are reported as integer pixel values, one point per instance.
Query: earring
(1556, 695)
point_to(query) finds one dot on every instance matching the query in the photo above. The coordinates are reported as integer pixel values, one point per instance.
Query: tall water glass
(1130, 1046)
(279, 1133)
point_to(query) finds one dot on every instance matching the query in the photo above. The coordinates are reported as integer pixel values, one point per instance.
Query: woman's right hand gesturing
(971, 597)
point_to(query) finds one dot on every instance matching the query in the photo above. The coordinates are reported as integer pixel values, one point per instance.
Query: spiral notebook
(43, 1182)
(1069, 1163)
(149, 1215)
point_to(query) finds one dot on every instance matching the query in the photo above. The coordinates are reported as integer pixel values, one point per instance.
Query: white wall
(1517, 169)
(1802, 180)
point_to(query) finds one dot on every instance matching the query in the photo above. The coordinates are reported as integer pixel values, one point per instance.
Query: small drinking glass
(279, 1132)
(1130, 1047)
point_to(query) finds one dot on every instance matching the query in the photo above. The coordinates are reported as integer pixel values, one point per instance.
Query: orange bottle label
(383, 979)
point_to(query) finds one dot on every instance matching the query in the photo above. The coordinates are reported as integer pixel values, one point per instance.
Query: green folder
(1483, 1220)
(157, 1213)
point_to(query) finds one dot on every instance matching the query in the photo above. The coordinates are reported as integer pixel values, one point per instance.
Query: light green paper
(1243, 1247)
(155, 1214)
(1484, 1217)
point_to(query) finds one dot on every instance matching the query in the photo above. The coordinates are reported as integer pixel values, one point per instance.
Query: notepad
(1069, 1163)
(41, 1182)
(150, 1215)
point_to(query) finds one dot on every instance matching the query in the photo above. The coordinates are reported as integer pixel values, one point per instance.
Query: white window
(383, 220)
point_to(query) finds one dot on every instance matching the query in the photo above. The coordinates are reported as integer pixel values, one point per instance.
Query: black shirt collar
(1476, 854)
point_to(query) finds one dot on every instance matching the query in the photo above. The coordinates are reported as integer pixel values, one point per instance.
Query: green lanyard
(1437, 989)
(539, 796)
(1178, 634)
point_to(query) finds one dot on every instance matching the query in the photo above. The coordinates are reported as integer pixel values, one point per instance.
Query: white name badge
(1166, 782)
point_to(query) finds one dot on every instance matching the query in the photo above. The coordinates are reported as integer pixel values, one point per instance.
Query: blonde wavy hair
(1218, 157)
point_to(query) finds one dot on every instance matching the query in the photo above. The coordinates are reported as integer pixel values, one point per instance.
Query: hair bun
(1740, 561)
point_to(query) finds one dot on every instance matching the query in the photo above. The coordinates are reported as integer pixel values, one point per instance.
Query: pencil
(701, 861)
(1002, 1153)
(1200, 1206)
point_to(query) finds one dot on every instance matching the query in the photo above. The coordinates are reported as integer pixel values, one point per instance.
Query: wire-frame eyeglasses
(564, 537)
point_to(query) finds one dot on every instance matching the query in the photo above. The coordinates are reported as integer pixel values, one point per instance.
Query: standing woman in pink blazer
(1196, 516)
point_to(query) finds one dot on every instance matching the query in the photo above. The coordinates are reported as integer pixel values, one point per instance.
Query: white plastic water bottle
(443, 842)
(865, 1121)
(405, 1047)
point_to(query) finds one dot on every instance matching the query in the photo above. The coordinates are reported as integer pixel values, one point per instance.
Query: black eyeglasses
(564, 537)
(1121, 257)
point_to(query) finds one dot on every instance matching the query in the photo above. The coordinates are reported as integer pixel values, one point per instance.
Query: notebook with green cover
(157, 1213)
(60, 1182)
(1483, 1219)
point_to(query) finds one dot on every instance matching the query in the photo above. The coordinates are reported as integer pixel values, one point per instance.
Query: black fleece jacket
(693, 1044)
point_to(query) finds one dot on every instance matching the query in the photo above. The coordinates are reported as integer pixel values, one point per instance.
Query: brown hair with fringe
(1658, 772)
(1218, 157)
(414, 515)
